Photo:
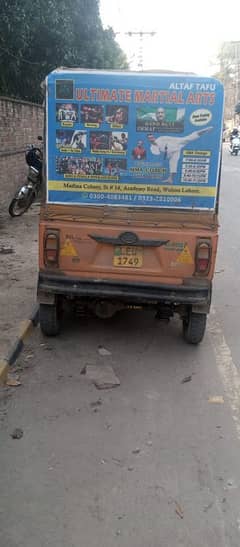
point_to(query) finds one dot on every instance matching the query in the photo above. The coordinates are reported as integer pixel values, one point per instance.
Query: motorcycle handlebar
(34, 157)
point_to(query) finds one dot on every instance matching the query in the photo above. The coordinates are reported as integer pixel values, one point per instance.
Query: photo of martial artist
(66, 112)
(119, 142)
(139, 152)
(159, 119)
(100, 140)
(68, 138)
(109, 142)
(117, 114)
(115, 167)
(169, 148)
(92, 113)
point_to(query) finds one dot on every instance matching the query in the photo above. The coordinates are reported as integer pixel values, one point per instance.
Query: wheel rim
(19, 206)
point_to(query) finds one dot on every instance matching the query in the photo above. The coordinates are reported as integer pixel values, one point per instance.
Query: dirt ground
(18, 273)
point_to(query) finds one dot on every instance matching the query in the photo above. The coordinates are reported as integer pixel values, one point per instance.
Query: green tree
(229, 75)
(36, 37)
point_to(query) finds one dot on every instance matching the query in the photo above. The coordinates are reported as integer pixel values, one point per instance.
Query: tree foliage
(229, 74)
(36, 37)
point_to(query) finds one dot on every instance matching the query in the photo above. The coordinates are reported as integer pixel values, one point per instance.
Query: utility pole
(141, 35)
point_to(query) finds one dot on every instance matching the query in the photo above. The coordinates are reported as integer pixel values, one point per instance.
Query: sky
(188, 32)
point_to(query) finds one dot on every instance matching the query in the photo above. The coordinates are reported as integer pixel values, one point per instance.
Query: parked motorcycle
(26, 194)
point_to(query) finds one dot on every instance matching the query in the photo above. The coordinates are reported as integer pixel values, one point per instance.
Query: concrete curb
(24, 331)
(4, 366)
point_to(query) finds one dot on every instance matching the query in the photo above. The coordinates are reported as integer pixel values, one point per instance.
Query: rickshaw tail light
(51, 248)
(203, 257)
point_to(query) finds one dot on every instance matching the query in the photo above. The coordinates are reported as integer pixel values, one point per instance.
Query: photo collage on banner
(79, 137)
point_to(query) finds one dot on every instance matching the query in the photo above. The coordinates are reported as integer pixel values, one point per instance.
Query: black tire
(15, 211)
(194, 327)
(49, 319)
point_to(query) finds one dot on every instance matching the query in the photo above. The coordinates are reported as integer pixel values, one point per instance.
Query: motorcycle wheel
(19, 206)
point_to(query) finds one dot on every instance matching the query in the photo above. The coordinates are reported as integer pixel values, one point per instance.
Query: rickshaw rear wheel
(194, 326)
(49, 319)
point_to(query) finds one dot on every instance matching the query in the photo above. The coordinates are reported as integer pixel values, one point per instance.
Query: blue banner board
(133, 139)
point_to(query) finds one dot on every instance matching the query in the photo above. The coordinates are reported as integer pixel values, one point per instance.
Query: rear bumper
(190, 293)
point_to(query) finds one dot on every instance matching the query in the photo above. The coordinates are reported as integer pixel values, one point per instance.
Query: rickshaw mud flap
(142, 292)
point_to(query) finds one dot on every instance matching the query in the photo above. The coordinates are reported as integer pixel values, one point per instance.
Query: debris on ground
(29, 356)
(179, 510)
(217, 399)
(18, 368)
(97, 403)
(207, 507)
(17, 433)
(231, 485)
(117, 462)
(4, 250)
(108, 426)
(186, 379)
(136, 451)
(103, 351)
(102, 376)
(13, 381)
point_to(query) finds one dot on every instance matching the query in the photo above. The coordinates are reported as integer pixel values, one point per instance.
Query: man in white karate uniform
(172, 146)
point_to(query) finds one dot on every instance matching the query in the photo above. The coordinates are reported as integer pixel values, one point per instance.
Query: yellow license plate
(128, 257)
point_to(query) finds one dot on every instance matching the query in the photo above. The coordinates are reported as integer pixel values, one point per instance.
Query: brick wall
(20, 124)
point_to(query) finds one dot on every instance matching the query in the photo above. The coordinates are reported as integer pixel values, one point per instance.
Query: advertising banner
(133, 139)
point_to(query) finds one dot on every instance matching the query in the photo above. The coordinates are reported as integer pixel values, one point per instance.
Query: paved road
(152, 463)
